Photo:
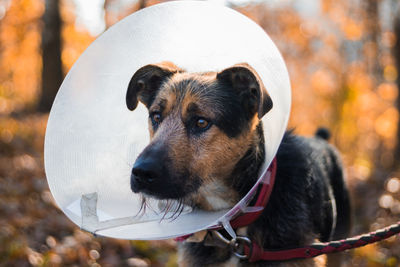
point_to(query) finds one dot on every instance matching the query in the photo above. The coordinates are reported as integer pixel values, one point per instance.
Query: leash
(246, 249)
(256, 253)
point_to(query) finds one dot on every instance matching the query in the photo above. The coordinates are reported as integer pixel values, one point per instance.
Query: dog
(206, 151)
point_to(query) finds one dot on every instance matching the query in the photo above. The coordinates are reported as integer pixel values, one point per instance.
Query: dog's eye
(155, 117)
(199, 125)
(202, 123)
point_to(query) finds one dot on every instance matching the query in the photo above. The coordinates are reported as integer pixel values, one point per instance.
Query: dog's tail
(343, 203)
(341, 195)
(323, 133)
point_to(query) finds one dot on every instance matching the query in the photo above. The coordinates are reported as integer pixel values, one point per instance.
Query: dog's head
(201, 125)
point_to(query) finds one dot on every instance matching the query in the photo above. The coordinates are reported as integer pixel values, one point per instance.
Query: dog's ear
(146, 81)
(248, 85)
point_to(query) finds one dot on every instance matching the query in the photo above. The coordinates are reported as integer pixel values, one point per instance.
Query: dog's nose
(149, 168)
(145, 170)
(144, 173)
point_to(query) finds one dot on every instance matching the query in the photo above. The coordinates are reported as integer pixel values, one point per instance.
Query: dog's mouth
(157, 181)
(162, 194)
(163, 188)
(174, 197)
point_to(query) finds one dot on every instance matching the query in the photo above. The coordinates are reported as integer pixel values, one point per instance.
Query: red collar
(267, 185)
(244, 219)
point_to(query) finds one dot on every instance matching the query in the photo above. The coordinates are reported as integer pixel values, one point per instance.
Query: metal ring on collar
(237, 246)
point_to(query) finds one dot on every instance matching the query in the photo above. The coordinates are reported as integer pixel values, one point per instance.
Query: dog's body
(302, 206)
(206, 150)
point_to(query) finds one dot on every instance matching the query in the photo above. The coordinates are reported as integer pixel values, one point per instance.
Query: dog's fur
(206, 150)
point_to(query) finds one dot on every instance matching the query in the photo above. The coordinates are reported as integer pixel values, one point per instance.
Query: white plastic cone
(92, 139)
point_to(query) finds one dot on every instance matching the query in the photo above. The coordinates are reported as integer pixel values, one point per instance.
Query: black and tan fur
(206, 150)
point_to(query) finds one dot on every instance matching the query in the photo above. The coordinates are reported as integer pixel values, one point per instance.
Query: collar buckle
(236, 244)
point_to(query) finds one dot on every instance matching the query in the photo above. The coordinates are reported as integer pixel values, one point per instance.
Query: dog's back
(309, 195)
(310, 192)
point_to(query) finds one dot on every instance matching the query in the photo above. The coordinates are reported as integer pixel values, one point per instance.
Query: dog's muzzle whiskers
(170, 209)
(143, 206)
(174, 208)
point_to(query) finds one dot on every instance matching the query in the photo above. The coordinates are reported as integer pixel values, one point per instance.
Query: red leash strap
(256, 253)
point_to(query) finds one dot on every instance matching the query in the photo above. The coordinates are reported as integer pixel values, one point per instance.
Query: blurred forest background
(343, 58)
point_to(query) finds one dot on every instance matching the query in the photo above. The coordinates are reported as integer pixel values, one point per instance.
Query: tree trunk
(373, 29)
(52, 74)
